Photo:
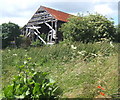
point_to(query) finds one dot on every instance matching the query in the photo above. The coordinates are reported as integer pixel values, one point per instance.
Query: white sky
(20, 11)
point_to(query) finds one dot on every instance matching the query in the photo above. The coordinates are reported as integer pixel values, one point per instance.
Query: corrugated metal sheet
(59, 15)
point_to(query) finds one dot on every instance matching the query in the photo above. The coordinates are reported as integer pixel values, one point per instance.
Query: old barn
(46, 21)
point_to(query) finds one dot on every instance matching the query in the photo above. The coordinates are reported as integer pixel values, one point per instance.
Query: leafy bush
(90, 28)
(30, 84)
(10, 31)
(23, 41)
(36, 43)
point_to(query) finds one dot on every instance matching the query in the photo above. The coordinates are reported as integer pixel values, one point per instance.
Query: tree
(10, 31)
(90, 28)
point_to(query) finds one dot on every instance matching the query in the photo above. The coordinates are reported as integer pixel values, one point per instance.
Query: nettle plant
(31, 84)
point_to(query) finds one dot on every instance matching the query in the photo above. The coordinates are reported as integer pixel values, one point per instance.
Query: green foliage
(23, 41)
(78, 68)
(36, 43)
(30, 84)
(90, 28)
(10, 31)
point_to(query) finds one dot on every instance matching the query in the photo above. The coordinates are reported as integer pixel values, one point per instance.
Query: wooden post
(56, 25)
(53, 28)
(32, 32)
(26, 32)
(52, 23)
(40, 38)
(56, 31)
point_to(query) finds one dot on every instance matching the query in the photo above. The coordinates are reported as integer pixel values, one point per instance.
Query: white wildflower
(99, 55)
(25, 55)
(98, 42)
(89, 68)
(104, 34)
(79, 52)
(25, 62)
(32, 69)
(73, 47)
(15, 54)
(21, 96)
(111, 44)
(82, 52)
(94, 54)
(100, 74)
(27, 92)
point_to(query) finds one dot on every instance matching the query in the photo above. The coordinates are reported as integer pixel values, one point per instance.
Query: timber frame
(45, 21)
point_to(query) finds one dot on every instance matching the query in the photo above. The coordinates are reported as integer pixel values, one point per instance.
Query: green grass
(77, 73)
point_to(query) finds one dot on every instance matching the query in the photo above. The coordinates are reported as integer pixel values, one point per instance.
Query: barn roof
(59, 15)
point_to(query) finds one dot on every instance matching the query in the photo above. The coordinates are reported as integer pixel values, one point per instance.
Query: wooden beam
(36, 27)
(36, 23)
(48, 25)
(28, 34)
(40, 38)
(26, 31)
(52, 23)
(52, 31)
(48, 37)
(40, 19)
(55, 35)
(56, 26)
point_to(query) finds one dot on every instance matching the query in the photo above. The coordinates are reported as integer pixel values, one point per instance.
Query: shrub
(37, 43)
(10, 31)
(90, 28)
(23, 41)
(30, 84)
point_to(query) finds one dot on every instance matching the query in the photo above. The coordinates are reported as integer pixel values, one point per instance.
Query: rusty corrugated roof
(59, 15)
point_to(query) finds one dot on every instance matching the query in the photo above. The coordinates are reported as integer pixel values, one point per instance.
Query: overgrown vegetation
(77, 68)
(30, 84)
(89, 28)
(84, 65)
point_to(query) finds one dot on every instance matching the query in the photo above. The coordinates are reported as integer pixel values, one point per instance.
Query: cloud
(20, 11)
(19, 21)
(103, 9)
